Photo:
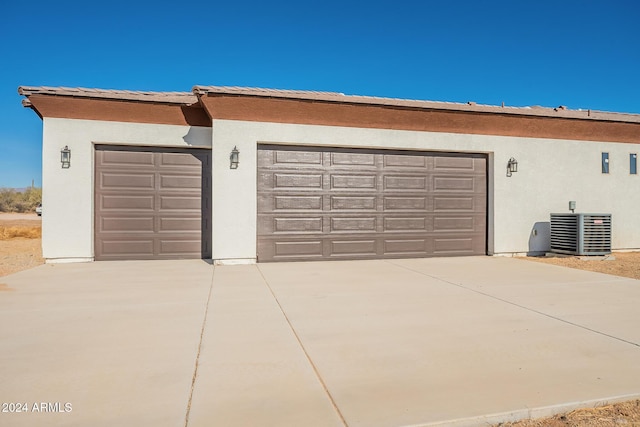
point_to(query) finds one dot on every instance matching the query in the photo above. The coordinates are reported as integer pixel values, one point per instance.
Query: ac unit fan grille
(581, 234)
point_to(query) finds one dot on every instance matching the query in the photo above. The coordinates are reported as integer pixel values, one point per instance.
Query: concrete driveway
(457, 341)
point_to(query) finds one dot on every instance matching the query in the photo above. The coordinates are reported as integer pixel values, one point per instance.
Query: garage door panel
(126, 180)
(353, 248)
(179, 247)
(464, 245)
(367, 204)
(271, 202)
(179, 224)
(294, 202)
(297, 249)
(407, 247)
(458, 163)
(180, 160)
(420, 223)
(180, 182)
(295, 181)
(446, 224)
(405, 203)
(123, 202)
(353, 182)
(352, 225)
(116, 249)
(352, 159)
(353, 203)
(469, 204)
(122, 224)
(403, 162)
(158, 210)
(295, 158)
(180, 203)
(449, 183)
(303, 225)
(290, 181)
(128, 158)
(404, 183)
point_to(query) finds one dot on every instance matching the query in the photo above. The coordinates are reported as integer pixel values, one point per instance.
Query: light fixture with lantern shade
(234, 158)
(65, 157)
(512, 166)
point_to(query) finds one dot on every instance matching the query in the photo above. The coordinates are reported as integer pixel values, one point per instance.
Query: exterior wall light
(234, 158)
(512, 166)
(65, 157)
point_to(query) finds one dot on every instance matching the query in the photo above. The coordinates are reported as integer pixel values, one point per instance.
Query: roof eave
(180, 98)
(470, 107)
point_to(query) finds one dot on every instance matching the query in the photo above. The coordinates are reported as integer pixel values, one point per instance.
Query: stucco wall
(67, 194)
(551, 173)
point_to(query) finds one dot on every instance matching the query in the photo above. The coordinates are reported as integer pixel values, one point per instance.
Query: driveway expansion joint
(195, 369)
(304, 350)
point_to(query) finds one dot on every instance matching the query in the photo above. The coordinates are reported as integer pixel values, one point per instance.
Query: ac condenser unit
(581, 233)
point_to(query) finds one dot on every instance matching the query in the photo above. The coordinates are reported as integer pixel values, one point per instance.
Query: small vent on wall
(581, 234)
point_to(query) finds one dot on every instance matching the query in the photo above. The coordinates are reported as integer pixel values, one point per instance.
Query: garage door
(152, 203)
(319, 204)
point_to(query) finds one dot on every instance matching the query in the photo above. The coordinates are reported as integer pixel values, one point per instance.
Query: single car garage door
(319, 204)
(152, 203)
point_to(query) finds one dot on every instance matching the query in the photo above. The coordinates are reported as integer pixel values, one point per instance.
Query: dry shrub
(7, 233)
(20, 201)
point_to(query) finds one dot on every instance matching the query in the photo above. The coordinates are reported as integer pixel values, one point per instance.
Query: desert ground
(20, 242)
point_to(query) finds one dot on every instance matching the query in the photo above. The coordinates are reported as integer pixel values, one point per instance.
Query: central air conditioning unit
(581, 234)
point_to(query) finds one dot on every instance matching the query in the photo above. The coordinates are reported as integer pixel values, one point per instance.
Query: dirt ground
(621, 414)
(625, 264)
(20, 249)
(20, 242)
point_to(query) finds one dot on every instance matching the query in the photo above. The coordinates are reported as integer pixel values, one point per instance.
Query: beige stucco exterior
(551, 173)
(67, 194)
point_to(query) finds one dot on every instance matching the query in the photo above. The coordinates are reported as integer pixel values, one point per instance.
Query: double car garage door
(313, 203)
(320, 204)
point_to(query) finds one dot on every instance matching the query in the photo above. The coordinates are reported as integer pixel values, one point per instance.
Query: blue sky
(582, 54)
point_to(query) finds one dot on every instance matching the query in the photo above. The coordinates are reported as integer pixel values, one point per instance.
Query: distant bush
(20, 201)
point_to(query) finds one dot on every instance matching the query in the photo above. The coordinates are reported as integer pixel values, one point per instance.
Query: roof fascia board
(118, 109)
(333, 97)
(342, 114)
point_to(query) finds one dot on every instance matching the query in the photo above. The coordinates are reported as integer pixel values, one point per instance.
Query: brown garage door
(316, 203)
(152, 203)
